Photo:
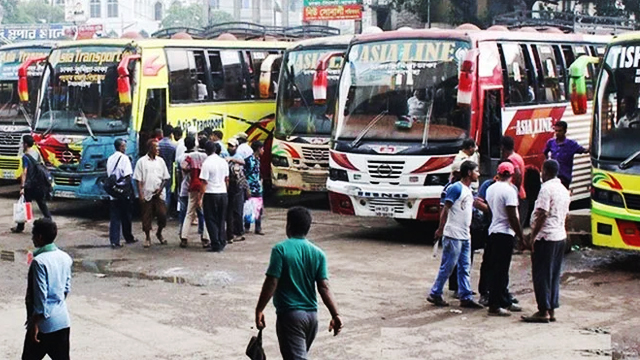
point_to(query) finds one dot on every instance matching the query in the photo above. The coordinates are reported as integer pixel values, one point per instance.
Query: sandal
(536, 318)
(161, 239)
(206, 243)
(183, 243)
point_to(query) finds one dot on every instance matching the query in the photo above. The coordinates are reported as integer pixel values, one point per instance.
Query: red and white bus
(408, 99)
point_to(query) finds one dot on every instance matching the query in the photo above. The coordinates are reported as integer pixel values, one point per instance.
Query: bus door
(154, 117)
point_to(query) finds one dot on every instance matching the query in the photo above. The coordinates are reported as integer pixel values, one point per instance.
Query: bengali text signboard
(315, 10)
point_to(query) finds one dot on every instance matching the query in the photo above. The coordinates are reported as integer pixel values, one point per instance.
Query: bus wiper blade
(356, 142)
(86, 123)
(627, 162)
(26, 116)
(292, 79)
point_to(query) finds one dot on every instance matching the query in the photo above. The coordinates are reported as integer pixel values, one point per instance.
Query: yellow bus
(15, 118)
(95, 91)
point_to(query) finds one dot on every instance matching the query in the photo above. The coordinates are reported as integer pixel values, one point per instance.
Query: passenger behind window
(418, 104)
(202, 92)
(631, 117)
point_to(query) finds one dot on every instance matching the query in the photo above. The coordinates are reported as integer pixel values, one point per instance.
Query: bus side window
(548, 84)
(180, 76)
(200, 73)
(520, 89)
(561, 71)
(226, 74)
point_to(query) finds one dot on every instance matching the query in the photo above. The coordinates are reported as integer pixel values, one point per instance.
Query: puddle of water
(104, 267)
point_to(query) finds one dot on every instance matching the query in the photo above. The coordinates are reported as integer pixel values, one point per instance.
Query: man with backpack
(35, 184)
(191, 164)
(119, 166)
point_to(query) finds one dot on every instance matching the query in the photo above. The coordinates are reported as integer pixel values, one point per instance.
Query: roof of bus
(29, 44)
(481, 35)
(340, 40)
(629, 36)
(156, 43)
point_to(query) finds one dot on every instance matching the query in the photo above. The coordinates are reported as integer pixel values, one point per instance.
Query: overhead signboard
(315, 10)
(16, 33)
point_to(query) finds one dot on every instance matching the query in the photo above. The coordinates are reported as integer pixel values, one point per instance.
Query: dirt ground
(172, 303)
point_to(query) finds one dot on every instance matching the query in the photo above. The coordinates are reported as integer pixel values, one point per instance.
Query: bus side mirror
(321, 77)
(124, 82)
(266, 73)
(578, 83)
(467, 78)
(23, 77)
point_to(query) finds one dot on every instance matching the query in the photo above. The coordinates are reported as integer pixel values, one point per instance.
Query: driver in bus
(418, 104)
(631, 114)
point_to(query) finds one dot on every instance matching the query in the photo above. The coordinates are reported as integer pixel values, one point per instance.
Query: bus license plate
(384, 211)
(8, 174)
(65, 194)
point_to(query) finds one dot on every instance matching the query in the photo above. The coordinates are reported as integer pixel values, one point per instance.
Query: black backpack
(39, 181)
(111, 187)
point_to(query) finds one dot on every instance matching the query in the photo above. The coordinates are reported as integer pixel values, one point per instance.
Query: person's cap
(233, 142)
(506, 168)
(242, 135)
(455, 167)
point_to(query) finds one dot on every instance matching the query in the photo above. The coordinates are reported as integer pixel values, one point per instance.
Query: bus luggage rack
(249, 31)
(169, 32)
(566, 21)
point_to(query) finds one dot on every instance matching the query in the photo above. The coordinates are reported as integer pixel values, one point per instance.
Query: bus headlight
(606, 197)
(436, 179)
(279, 161)
(338, 175)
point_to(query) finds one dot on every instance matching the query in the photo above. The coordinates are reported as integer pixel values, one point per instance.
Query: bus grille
(633, 201)
(10, 144)
(385, 169)
(66, 180)
(9, 164)
(315, 155)
(315, 179)
(64, 155)
(396, 204)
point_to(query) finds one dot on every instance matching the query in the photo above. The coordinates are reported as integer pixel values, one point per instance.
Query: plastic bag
(252, 208)
(22, 211)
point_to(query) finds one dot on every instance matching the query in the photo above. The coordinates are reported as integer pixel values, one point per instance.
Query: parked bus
(300, 152)
(16, 118)
(96, 91)
(408, 99)
(615, 149)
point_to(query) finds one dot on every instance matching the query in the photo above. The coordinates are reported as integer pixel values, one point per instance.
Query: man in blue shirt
(296, 268)
(167, 149)
(48, 285)
(254, 180)
(563, 150)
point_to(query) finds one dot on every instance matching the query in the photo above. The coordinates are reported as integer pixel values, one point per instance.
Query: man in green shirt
(296, 266)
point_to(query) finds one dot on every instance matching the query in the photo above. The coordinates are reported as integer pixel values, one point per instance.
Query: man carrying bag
(118, 186)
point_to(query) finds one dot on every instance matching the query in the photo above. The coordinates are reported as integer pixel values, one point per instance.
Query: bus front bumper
(78, 186)
(614, 227)
(296, 180)
(10, 167)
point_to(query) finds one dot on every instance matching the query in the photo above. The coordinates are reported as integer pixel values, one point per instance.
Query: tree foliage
(30, 12)
(194, 16)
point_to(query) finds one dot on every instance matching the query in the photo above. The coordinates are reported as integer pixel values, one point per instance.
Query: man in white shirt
(549, 237)
(502, 199)
(215, 179)
(151, 174)
(244, 149)
(119, 165)
(468, 152)
(455, 225)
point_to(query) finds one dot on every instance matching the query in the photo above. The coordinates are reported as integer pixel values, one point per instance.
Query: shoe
(484, 300)
(239, 238)
(515, 308)
(230, 241)
(17, 230)
(116, 246)
(536, 318)
(147, 243)
(499, 312)
(132, 241)
(437, 300)
(513, 299)
(183, 243)
(470, 304)
(161, 238)
(552, 317)
(259, 233)
(206, 243)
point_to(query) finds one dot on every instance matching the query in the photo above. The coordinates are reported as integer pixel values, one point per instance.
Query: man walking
(502, 199)
(48, 284)
(29, 186)
(549, 238)
(167, 151)
(119, 166)
(296, 267)
(215, 180)
(238, 189)
(151, 174)
(563, 150)
(254, 179)
(191, 165)
(517, 179)
(455, 224)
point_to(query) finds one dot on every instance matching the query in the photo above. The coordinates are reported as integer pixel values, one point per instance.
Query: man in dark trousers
(549, 238)
(29, 188)
(49, 283)
(119, 165)
(296, 267)
(214, 176)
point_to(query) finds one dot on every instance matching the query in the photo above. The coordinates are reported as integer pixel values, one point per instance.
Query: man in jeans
(49, 283)
(119, 165)
(455, 225)
(30, 191)
(502, 199)
(549, 238)
(296, 267)
(254, 179)
(215, 180)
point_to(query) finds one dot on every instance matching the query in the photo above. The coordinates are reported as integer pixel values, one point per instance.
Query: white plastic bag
(252, 208)
(22, 211)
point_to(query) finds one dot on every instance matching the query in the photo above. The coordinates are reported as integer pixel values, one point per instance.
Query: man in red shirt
(508, 153)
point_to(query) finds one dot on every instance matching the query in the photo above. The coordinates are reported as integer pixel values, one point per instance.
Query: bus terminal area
(167, 302)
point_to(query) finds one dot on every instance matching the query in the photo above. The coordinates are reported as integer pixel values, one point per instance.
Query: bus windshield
(80, 92)
(297, 113)
(402, 91)
(617, 126)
